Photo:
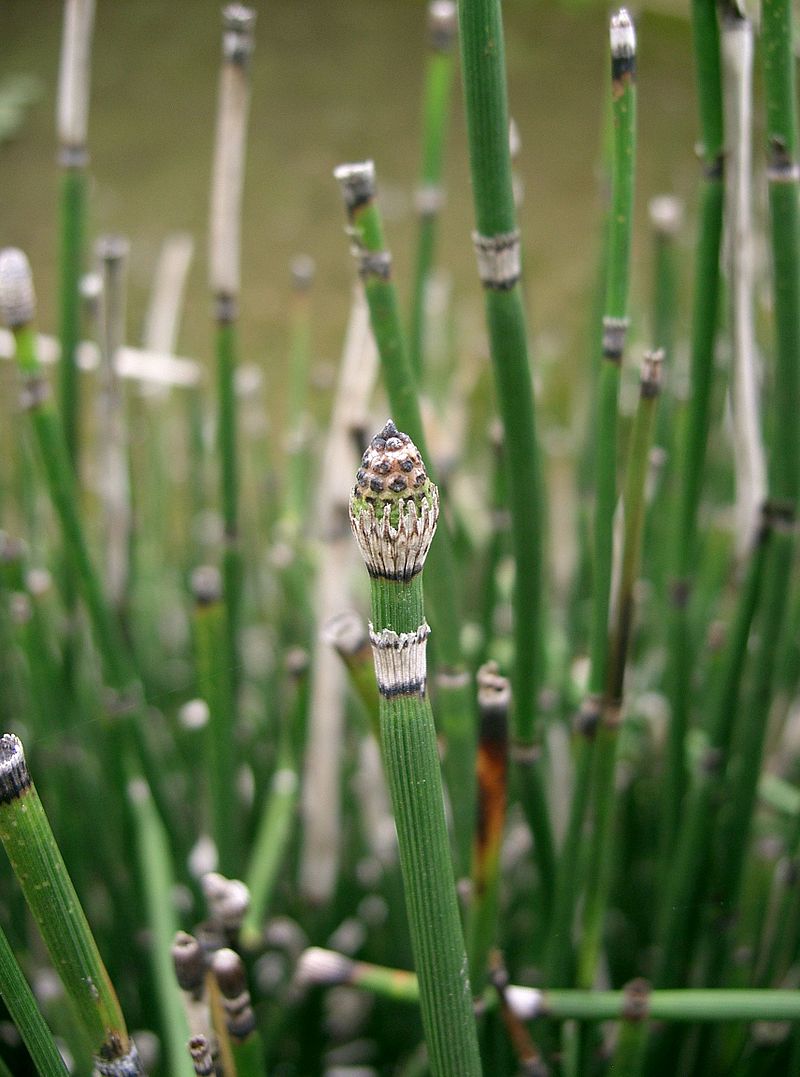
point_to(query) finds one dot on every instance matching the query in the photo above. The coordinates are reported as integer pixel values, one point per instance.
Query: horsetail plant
(614, 331)
(72, 124)
(201, 1056)
(598, 869)
(783, 179)
(25, 1013)
(155, 868)
(34, 855)
(393, 511)
(694, 423)
(210, 636)
(112, 253)
(329, 968)
(238, 24)
(498, 250)
(454, 703)
(442, 29)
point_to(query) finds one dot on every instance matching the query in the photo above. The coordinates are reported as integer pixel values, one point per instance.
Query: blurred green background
(334, 81)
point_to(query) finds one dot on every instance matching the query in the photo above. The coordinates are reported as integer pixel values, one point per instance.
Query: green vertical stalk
(224, 273)
(454, 702)
(442, 29)
(615, 323)
(155, 868)
(277, 819)
(497, 245)
(37, 863)
(25, 1014)
(73, 213)
(210, 636)
(618, 242)
(598, 875)
(783, 177)
(394, 532)
(686, 881)
(298, 470)
(692, 450)
(494, 702)
(72, 127)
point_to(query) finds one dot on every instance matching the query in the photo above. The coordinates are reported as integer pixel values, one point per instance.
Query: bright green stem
(784, 458)
(210, 636)
(155, 869)
(616, 312)
(603, 539)
(559, 942)
(63, 493)
(687, 1005)
(598, 876)
(227, 357)
(687, 876)
(484, 78)
(692, 451)
(408, 739)
(438, 87)
(750, 735)
(272, 838)
(25, 1014)
(456, 713)
(42, 875)
(73, 213)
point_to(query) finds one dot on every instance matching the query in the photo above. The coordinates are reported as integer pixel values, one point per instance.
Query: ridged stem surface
(484, 80)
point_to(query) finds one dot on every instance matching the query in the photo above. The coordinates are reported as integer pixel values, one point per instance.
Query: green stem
(436, 109)
(394, 534)
(73, 214)
(598, 876)
(25, 1014)
(37, 863)
(210, 636)
(155, 868)
(499, 262)
(692, 450)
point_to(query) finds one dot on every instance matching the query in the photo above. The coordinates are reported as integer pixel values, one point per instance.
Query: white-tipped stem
(227, 181)
(357, 181)
(72, 111)
(112, 436)
(524, 1002)
(622, 36)
(319, 967)
(442, 24)
(162, 321)
(321, 785)
(17, 297)
(748, 446)
(666, 214)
